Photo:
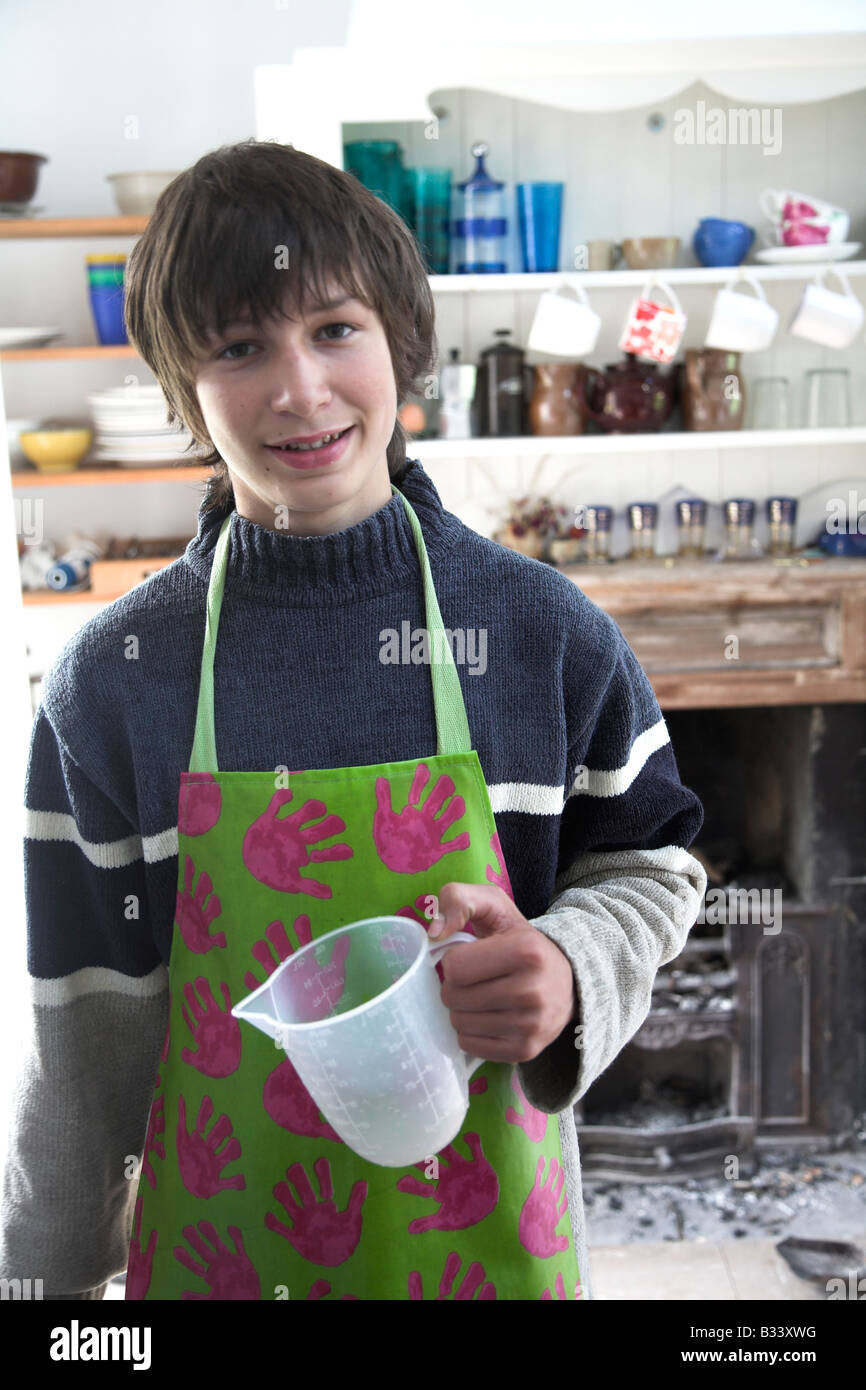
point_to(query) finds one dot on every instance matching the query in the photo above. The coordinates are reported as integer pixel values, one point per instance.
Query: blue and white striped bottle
(480, 227)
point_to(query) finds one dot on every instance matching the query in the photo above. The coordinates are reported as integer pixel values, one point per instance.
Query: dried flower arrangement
(530, 523)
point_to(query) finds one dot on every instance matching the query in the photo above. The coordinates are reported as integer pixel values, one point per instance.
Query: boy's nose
(299, 384)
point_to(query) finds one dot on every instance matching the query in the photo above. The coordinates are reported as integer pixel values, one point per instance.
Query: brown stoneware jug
(712, 390)
(553, 408)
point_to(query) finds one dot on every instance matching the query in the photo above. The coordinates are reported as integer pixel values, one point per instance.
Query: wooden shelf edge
(14, 228)
(113, 474)
(758, 689)
(38, 598)
(64, 354)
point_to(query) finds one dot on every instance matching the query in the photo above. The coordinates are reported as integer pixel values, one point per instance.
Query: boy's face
(261, 384)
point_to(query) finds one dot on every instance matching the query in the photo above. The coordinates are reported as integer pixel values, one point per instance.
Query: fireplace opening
(682, 1085)
(756, 1033)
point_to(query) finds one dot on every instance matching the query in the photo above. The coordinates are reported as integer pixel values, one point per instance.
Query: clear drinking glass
(691, 520)
(826, 398)
(781, 516)
(768, 403)
(597, 539)
(740, 544)
(642, 520)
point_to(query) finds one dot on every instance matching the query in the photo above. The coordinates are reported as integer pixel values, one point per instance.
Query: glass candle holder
(597, 538)
(643, 521)
(739, 520)
(691, 523)
(781, 518)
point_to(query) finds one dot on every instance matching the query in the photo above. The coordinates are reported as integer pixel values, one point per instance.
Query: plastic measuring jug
(360, 1017)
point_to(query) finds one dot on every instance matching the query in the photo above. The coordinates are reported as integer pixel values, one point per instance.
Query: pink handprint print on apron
(230, 1274)
(319, 1231)
(201, 1157)
(216, 1033)
(474, 1281)
(410, 841)
(467, 1189)
(199, 804)
(540, 1217)
(275, 848)
(195, 911)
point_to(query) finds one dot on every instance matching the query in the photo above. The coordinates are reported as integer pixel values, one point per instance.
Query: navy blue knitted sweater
(562, 705)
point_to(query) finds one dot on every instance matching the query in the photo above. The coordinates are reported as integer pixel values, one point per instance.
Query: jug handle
(472, 1063)
(585, 379)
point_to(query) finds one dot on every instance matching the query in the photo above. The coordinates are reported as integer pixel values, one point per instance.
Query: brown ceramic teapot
(627, 397)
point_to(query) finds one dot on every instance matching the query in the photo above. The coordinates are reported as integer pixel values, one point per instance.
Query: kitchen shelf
(441, 450)
(13, 228)
(675, 440)
(611, 279)
(64, 353)
(37, 598)
(111, 473)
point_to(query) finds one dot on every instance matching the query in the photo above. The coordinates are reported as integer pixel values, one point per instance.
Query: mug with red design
(654, 330)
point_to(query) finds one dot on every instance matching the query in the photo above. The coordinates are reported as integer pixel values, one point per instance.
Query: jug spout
(258, 1009)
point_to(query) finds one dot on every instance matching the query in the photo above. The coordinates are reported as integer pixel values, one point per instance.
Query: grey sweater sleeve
(618, 916)
(99, 1010)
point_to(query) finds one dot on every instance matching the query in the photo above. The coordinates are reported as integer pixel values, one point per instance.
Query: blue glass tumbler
(105, 273)
(428, 199)
(539, 217)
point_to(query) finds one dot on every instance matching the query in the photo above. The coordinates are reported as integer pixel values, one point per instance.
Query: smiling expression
(261, 383)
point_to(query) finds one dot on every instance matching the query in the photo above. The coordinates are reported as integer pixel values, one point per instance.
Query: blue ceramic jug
(719, 242)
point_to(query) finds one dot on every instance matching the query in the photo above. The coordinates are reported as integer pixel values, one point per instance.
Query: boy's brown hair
(217, 246)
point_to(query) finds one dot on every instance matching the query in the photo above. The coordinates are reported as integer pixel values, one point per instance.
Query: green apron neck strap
(204, 757)
(452, 726)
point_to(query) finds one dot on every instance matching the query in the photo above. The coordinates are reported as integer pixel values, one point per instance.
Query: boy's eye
(233, 346)
(340, 325)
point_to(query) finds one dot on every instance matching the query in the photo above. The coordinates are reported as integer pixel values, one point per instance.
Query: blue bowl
(719, 242)
(844, 543)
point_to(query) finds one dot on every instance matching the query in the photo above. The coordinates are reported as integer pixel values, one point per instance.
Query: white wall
(567, 21)
(71, 76)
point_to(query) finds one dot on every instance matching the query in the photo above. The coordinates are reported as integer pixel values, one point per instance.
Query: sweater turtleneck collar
(373, 557)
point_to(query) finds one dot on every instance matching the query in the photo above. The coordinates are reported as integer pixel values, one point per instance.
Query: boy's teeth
(328, 439)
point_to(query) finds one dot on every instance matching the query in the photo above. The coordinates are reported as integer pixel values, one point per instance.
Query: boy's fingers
(485, 905)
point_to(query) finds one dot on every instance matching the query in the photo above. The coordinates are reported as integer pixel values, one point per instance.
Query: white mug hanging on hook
(826, 317)
(741, 323)
(562, 326)
(654, 330)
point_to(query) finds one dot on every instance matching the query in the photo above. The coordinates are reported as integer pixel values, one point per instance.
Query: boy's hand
(514, 992)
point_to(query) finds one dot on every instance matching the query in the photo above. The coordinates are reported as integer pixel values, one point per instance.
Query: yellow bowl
(55, 451)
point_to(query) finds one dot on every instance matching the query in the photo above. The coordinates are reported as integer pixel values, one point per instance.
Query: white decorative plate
(27, 337)
(793, 255)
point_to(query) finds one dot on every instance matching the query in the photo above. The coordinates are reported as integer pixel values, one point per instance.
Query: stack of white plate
(131, 429)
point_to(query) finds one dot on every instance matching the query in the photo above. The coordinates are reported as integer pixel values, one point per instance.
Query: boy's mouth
(325, 450)
(305, 442)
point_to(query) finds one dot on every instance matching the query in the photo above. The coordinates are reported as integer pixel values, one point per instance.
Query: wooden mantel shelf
(713, 635)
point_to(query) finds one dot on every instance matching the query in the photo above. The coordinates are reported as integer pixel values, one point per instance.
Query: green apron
(245, 1191)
